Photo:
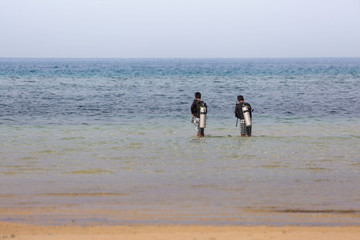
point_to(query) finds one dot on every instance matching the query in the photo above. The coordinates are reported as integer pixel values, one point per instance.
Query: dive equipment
(202, 117)
(246, 113)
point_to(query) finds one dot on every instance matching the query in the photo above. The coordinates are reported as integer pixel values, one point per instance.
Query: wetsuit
(244, 130)
(195, 110)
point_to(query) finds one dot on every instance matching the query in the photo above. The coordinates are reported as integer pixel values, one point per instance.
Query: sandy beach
(176, 232)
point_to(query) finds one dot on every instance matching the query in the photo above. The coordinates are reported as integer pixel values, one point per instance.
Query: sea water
(111, 141)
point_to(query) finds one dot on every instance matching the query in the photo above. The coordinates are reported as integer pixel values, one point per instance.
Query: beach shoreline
(55, 224)
(55, 215)
(20, 231)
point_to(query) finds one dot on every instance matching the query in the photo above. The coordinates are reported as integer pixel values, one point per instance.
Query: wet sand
(19, 231)
(49, 224)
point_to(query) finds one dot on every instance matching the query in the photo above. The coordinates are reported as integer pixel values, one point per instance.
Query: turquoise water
(81, 135)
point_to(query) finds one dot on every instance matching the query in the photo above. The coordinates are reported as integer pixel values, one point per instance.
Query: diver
(199, 111)
(244, 111)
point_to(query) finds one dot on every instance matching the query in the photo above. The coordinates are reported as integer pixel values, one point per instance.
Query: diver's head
(240, 98)
(198, 95)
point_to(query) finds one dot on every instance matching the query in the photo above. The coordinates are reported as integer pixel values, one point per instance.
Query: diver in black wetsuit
(195, 111)
(244, 130)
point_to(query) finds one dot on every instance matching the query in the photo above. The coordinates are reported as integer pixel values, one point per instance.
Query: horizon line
(174, 57)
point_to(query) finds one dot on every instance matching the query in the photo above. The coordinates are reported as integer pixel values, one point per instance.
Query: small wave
(97, 194)
(273, 166)
(319, 211)
(91, 171)
(296, 210)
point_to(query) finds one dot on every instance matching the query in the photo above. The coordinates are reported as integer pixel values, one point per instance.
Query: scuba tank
(202, 117)
(246, 113)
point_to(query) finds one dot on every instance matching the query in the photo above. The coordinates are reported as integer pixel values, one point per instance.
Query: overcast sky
(179, 28)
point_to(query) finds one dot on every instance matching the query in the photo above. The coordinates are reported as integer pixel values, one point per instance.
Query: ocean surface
(110, 141)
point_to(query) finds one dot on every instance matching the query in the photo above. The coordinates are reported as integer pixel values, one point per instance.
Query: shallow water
(80, 135)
